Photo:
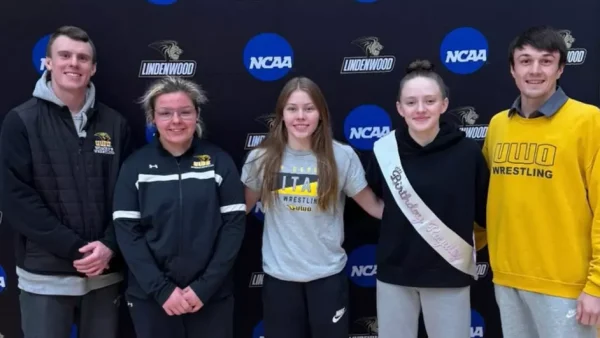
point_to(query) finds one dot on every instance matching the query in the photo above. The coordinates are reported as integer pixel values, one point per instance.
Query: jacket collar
(164, 152)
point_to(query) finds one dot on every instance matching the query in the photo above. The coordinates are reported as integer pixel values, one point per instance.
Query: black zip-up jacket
(451, 177)
(57, 187)
(180, 221)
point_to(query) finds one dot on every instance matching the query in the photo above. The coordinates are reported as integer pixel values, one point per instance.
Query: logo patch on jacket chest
(103, 144)
(201, 161)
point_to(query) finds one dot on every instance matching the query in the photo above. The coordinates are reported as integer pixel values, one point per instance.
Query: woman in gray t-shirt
(302, 176)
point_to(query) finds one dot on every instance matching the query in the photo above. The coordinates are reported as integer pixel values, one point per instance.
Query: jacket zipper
(82, 172)
(180, 205)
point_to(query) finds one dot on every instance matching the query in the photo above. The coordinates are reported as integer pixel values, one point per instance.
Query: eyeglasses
(168, 115)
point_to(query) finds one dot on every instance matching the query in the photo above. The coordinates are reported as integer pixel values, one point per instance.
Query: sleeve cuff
(74, 253)
(164, 293)
(111, 245)
(363, 184)
(592, 289)
(200, 291)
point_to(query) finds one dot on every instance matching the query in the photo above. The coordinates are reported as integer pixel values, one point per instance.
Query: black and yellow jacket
(179, 221)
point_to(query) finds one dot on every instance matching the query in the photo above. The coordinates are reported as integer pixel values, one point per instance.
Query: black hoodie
(451, 177)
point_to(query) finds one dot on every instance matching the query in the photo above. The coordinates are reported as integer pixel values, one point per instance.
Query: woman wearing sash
(302, 177)
(433, 181)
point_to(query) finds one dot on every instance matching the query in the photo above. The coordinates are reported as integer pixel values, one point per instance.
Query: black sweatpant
(96, 314)
(316, 309)
(214, 320)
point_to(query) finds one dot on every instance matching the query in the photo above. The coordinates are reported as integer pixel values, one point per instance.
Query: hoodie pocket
(34, 250)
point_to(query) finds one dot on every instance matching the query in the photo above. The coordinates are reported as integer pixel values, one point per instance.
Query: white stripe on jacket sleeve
(233, 208)
(126, 214)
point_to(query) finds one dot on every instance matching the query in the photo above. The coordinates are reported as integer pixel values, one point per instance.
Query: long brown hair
(321, 145)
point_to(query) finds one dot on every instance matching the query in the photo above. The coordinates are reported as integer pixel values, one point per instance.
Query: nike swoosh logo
(338, 315)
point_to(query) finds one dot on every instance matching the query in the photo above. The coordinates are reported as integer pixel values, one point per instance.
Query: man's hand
(176, 303)
(588, 309)
(192, 299)
(95, 259)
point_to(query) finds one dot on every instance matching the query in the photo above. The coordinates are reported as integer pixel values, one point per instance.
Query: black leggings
(317, 309)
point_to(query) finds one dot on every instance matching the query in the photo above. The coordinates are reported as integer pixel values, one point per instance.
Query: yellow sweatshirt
(543, 211)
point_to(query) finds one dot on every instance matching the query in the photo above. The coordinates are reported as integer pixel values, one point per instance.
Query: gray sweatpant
(527, 314)
(53, 316)
(446, 311)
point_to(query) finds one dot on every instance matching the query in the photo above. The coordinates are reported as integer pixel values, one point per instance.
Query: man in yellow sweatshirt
(543, 218)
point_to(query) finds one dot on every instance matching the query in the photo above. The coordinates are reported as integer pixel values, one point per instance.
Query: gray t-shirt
(300, 242)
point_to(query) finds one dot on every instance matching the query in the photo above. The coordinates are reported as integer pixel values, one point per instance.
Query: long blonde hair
(321, 144)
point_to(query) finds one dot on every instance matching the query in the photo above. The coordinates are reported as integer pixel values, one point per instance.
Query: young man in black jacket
(60, 154)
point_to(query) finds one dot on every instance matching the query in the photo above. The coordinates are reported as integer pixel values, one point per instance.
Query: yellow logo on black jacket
(103, 144)
(201, 161)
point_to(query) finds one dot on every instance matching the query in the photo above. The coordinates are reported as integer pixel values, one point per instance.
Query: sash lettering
(455, 250)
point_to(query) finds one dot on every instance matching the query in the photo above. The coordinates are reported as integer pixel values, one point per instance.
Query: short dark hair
(74, 33)
(543, 38)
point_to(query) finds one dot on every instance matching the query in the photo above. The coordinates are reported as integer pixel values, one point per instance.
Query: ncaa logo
(38, 54)
(477, 325)
(162, 2)
(366, 124)
(361, 267)
(258, 211)
(150, 132)
(259, 331)
(268, 57)
(2, 279)
(74, 332)
(464, 50)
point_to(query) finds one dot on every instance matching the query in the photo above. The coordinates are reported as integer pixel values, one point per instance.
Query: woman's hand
(176, 304)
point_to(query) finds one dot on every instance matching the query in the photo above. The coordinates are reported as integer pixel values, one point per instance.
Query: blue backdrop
(243, 51)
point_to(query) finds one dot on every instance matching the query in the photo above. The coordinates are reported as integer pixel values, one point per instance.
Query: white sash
(442, 239)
